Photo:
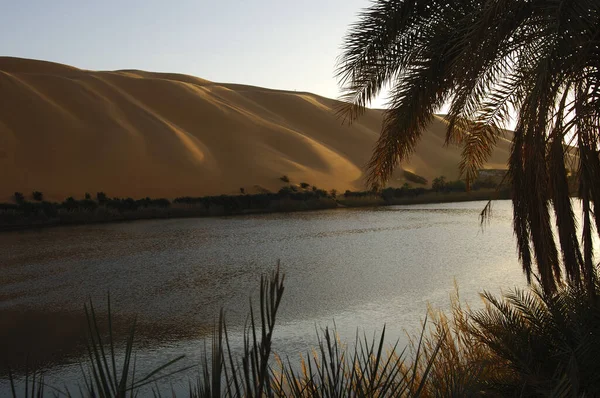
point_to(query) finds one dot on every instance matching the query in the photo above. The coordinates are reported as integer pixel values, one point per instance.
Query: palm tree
(488, 59)
(541, 345)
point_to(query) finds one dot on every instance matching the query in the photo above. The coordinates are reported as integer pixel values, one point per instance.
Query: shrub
(285, 191)
(304, 185)
(49, 209)
(87, 196)
(321, 193)
(70, 203)
(439, 184)
(460, 365)
(456, 186)
(545, 345)
(486, 183)
(359, 194)
(128, 204)
(19, 197)
(389, 193)
(37, 196)
(101, 197)
(285, 179)
(87, 204)
(162, 203)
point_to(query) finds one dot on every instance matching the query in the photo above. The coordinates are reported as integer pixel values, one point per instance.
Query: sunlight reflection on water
(361, 268)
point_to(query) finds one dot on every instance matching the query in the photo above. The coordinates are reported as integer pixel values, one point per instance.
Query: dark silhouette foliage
(70, 203)
(487, 183)
(545, 345)
(37, 196)
(19, 197)
(441, 185)
(238, 203)
(101, 197)
(538, 58)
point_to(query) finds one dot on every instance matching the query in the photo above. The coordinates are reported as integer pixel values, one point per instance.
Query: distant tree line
(439, 185)
(290, 197)
(236, 203)
(51, 209)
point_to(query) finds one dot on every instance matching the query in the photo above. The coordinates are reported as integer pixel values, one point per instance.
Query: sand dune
(66, 131)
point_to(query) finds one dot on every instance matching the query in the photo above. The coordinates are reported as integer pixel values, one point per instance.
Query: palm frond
(538, 59)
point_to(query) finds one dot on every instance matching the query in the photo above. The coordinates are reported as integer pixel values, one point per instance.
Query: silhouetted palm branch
(538, 59)
(547, 344)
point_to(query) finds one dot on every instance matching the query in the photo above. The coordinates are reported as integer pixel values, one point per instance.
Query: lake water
(358, 268)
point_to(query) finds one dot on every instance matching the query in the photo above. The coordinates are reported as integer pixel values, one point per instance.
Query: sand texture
(66, 131)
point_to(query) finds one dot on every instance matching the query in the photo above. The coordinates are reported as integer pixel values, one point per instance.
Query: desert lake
(359, 269)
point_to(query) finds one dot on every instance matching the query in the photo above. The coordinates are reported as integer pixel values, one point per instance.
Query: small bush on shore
(288, 198)
(19, 197)
(101, 197)
(37, 196)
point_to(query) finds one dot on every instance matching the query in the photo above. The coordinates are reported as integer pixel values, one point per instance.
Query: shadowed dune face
(65, 131)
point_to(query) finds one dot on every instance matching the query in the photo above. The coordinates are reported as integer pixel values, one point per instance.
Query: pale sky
(279, 44)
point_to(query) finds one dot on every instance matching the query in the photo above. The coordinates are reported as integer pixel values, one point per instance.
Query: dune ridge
(66, 131)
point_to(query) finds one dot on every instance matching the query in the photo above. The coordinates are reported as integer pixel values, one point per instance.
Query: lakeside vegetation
(539, 58)
(525, 343)
(36, 211)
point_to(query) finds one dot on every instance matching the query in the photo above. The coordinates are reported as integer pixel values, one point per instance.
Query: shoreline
(103, 215)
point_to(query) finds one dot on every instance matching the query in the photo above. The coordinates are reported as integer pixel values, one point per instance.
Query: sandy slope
(66, 131)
